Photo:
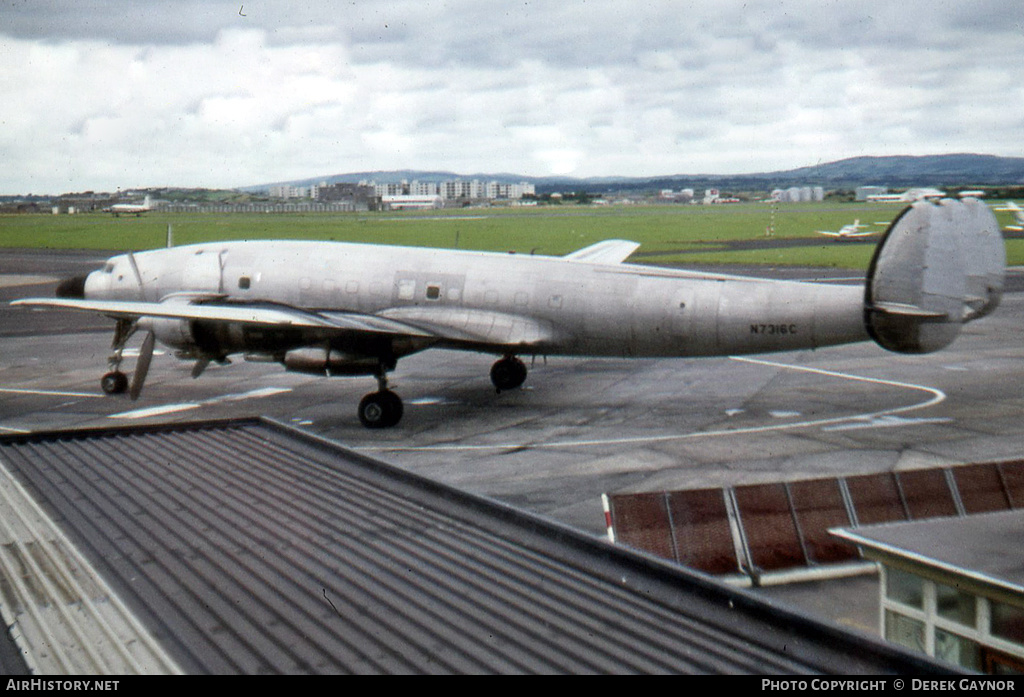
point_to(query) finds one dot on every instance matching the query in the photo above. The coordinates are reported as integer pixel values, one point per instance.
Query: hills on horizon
(894, 171)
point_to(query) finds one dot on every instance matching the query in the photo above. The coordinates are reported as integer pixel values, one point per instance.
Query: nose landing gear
(116, 382)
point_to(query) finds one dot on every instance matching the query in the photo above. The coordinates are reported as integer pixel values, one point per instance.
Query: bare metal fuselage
(545, 305)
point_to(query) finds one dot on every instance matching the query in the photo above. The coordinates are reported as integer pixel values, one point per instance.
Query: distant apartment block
(455, 189)
(799, 194)
(286, 191)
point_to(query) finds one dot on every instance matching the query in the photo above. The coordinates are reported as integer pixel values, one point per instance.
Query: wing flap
(478, 327)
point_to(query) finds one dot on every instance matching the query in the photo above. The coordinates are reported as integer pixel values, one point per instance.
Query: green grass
(688, 235)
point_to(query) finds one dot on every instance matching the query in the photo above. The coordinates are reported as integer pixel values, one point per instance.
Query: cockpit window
(109, 267)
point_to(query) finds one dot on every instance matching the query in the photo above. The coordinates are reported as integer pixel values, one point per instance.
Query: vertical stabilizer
(938, 265)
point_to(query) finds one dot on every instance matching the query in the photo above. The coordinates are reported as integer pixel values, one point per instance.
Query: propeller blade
(142, 365)
(199, 367)
(72, 288)
(138, 276)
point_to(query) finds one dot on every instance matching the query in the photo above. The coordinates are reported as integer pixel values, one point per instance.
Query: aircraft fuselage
(571, 307)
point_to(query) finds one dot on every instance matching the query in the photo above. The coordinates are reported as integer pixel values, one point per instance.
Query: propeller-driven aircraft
(1018, 216)
(854, 229)
(332, 308)
(136, 209)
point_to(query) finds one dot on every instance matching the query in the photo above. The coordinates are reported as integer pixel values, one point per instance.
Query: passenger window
(244, 282)
(433, 292)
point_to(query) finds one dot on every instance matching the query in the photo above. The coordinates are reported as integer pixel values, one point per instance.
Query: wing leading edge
(454, 325)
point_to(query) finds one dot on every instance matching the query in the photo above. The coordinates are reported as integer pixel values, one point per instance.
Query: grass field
(688, 235)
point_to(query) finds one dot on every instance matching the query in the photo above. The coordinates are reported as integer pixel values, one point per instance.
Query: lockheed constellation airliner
(332, 308)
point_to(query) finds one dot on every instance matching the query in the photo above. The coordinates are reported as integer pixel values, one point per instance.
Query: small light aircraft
(853, 230)
(330, 308)
(1018, 216)
(136, 209)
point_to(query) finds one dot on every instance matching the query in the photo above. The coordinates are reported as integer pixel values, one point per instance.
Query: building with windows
(288, 191)
(951, 587)
(454, 189)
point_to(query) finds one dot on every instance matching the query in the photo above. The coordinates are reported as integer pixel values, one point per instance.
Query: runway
(579, 427)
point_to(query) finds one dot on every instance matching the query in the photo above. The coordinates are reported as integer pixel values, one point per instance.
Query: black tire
(114, 382)
(380, 409)
(508, 373)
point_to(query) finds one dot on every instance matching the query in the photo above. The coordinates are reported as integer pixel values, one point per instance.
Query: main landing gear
(508, 373)
(383, 408)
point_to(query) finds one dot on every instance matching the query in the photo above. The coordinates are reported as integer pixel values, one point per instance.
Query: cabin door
(204, 271)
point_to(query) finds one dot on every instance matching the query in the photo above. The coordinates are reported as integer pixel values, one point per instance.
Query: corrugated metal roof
(248, 547)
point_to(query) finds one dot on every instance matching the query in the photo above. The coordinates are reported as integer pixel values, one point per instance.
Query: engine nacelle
(175, 333)
(200, 339)
(329, 361)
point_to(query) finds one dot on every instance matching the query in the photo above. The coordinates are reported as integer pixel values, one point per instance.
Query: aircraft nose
(72, 288)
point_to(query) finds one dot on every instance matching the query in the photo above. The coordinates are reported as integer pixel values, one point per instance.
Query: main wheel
(114, 382)
(380, 409)
(508, 373)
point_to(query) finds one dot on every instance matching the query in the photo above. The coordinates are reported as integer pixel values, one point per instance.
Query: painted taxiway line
(162, 409)
(49, 393)
(882, 417)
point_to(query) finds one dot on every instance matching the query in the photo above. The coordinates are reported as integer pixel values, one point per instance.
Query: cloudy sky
(108, 94)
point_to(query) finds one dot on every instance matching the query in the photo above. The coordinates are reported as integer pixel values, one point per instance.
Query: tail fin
(938, 265)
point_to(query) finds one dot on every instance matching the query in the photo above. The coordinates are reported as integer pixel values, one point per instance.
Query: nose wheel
(114, 382)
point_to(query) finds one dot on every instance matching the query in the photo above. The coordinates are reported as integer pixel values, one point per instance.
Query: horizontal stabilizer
(938, 266)
(907, 310)
(607, 252)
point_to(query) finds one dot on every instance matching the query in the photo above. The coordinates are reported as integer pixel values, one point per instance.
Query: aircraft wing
(265, 314)
(451, 324)
(606, 252)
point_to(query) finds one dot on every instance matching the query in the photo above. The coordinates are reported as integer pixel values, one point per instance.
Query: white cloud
(114, 94)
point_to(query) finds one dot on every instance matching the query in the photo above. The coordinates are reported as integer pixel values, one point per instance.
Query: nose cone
(72, 288)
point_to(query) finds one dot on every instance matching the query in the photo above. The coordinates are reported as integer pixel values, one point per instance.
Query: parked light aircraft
(131, 208)
(1018, 215)
(347, 309)
(854, 229)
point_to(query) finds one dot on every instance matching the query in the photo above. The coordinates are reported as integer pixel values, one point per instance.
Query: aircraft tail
(938, 265)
